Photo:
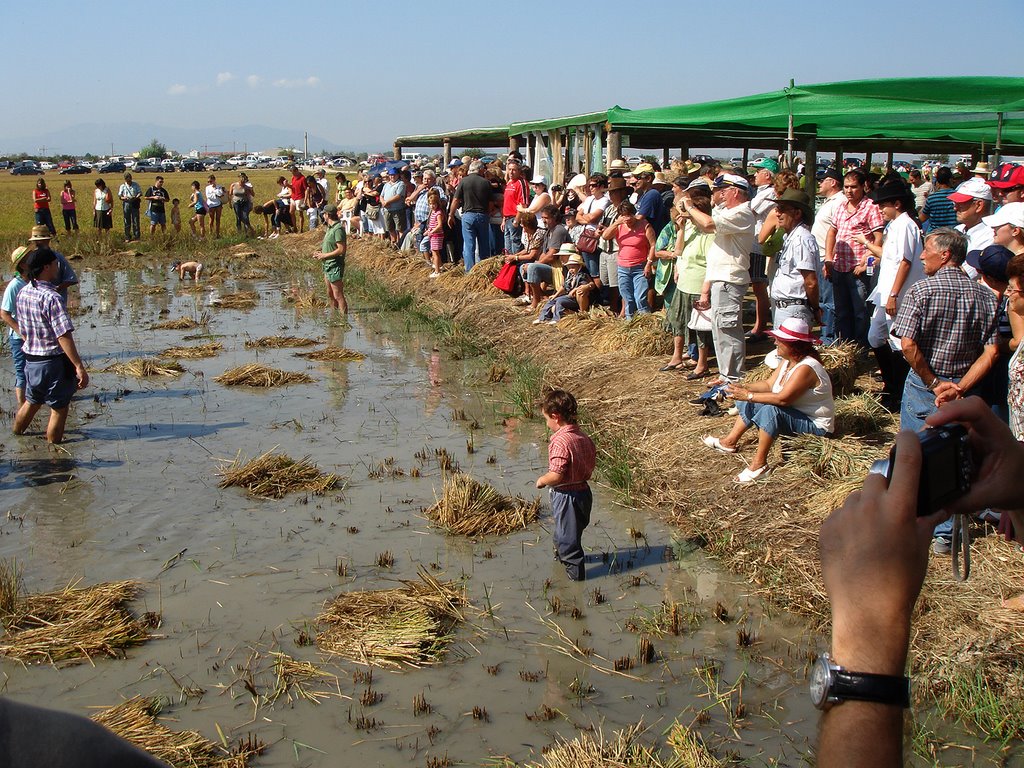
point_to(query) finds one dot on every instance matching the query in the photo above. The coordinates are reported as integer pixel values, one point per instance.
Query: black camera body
(947, 467)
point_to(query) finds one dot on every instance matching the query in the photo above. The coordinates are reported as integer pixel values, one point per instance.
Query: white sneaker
(552, 322)
(434, 274)
(538, 321)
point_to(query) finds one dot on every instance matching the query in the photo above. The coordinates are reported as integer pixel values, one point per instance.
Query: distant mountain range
(127, 138)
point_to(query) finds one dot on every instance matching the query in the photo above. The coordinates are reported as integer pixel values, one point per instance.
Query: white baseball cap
(972, 189)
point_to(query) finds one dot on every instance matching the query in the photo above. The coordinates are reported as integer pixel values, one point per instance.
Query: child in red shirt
(571, 459)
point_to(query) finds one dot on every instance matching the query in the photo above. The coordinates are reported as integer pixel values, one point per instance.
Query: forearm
(901, 277)
(916, 361)
(9, 320)
(830, 245)
(67, 344)
(549, 479)
(701, 220)
(979, 370)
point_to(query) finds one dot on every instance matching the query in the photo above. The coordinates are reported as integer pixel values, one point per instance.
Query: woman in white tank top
(797, 399)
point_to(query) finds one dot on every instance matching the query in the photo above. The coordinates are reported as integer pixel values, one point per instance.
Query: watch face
(820, 681)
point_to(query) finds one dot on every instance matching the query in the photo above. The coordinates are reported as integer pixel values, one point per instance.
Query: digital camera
(947, 467)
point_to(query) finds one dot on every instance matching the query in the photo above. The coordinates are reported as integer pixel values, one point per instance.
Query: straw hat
(982, 168)
(618, 165)
(17, 255)
(39, 232)
(568, 249)
(574, 261)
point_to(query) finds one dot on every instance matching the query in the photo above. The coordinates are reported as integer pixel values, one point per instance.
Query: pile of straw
(241, 300)
(333, 354)
(641, 336)
(690, 750)
(863, 414)
(293, 676)
(181, 324)
(211, 349)
(410, 625)
(273, 475)
(69, 625)
(279, 342)
(306, 298)
(256, 375)
(135, 721)
(624, 749)
(471, 508)
(253, 274)
(146, 366)
(148, 290)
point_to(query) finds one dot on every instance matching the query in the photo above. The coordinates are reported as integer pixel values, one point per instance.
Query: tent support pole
(789, 135)
(684, 153)
(867, 162)
(397, 151)
(811, 169)
(614, 146)
(888, 162)
(839, 159)
(513, 144)
(746, 158)
(996, 155)
(664, 158)
(447, 152)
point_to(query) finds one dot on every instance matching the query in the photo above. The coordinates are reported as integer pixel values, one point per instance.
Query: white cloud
(253, 81)
(309, 82)
(224, 77)
(177, 90)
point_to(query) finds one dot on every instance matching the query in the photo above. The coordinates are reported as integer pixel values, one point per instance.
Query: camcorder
(947, 470)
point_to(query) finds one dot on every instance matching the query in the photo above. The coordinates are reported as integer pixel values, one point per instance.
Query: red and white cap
(972, 189)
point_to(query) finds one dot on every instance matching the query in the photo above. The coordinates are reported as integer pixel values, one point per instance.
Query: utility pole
(305, 145)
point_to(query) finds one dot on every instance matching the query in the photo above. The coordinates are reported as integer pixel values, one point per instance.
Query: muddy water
(137, 487)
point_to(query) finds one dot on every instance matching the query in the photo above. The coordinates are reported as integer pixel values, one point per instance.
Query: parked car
(117, 167)
(195, 166)
(216, 164)
(5, 164)
(168, 166)
(75, 169)
(148, 165)
(47, 166)
(27, 168)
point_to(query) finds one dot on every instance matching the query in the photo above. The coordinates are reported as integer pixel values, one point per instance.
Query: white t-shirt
(762, 204)
(729, 254)
(214, 195)
(902, 243)
(823, 219)
(921, 193)
(799, 252)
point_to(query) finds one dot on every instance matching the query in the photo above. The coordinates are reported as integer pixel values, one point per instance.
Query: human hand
(648, 269)
(82, 375)
(826, 270)
(737, 392)
(998, 458)
(890, 307)
(945, 392)
(704, 302)
(874, 553)
(861, 268)
(540, 482)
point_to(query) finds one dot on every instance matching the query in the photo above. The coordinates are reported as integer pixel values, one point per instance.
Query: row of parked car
(150, 165)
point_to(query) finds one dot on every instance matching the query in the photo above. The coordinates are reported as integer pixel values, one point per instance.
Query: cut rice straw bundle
(148, 290)
(293, 676)
(306, 298)
(623, 749)
(642, 335)
(333, 354)
(68, 626)
(279, 342)
(471, 508)
(410, 625)
(135, 721)
(181, 324)
(212, 349)
(241, 300)
(690, 750)
(256, 375)
(252, 274)
(863, 414)
(273, 475)
(142, 367)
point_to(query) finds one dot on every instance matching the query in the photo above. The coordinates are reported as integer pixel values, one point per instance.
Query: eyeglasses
(1010, 291)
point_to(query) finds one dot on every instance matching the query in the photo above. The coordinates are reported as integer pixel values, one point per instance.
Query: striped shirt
(572, 455)
(940, 210)
(42, 319)
(862, 220)
(951, 319)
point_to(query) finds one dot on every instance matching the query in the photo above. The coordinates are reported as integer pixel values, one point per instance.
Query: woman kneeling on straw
(796, 399)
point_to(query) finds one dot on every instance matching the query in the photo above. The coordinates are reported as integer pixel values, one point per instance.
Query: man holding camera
(947, 330)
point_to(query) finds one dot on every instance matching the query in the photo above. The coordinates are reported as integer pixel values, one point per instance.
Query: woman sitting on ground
(574, 295)
(796, 400)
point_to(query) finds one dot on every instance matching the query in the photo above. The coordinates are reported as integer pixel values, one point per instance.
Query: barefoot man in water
(332, 257)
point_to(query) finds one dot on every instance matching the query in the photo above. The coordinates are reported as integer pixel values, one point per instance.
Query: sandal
(714, 442)
(670, 367)
(695, 376)
(750, 475)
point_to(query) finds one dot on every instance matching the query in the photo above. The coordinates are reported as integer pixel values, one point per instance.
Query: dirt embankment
(766, 531)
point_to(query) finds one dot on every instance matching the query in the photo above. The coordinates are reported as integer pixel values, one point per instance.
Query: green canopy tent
(496, 136)
(903, 114)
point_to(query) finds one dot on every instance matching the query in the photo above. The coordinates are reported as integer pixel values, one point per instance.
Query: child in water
(571, 459)
(193, 268)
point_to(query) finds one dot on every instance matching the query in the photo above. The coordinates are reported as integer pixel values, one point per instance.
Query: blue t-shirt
(652, 207)
(940, 210)
(9, 304)
(390, 190)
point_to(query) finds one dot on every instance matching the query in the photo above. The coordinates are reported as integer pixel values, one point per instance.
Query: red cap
(1007, 175)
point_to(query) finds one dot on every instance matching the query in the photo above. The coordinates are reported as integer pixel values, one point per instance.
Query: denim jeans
(849, 294)
(132, 214)
(593, 263)
(70, 219)
(45, 218)
(242, 209)
(476, 238)
(513, 236)
(827, 302)
(555, 309)
(776, 420)
(19, 361)
(918, 403)
(633, 289)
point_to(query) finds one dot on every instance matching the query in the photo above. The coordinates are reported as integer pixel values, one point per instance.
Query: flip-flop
(669, 367)
(694, 376)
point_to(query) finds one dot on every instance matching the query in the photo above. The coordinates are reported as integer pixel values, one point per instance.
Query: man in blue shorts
(53, 369)
(157, 197)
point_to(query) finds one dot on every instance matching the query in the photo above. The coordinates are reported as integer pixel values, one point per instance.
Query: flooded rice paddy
(133, 495)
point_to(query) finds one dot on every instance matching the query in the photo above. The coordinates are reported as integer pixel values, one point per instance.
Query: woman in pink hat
(796, 399)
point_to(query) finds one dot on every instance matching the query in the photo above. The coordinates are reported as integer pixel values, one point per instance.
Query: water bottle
(871, 265)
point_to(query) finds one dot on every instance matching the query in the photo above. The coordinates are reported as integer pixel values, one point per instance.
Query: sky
(362, 73)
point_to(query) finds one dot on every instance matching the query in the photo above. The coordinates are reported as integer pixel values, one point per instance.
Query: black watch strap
(882, 689)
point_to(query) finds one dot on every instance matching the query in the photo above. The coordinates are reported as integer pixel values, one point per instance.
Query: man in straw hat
(39, 238)
(53, 368)
(794, 288)
(9, 314)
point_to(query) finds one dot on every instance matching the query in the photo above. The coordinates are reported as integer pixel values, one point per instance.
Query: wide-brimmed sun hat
(568, 249)
(574, 261)
(793, 329)
(39, 232)
(17, 255)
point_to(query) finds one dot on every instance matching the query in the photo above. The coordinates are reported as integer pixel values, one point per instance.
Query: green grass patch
(377, 292)
(984, 703)
(523, 382)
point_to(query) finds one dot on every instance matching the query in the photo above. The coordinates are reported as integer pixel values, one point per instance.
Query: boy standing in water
(571, 459)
